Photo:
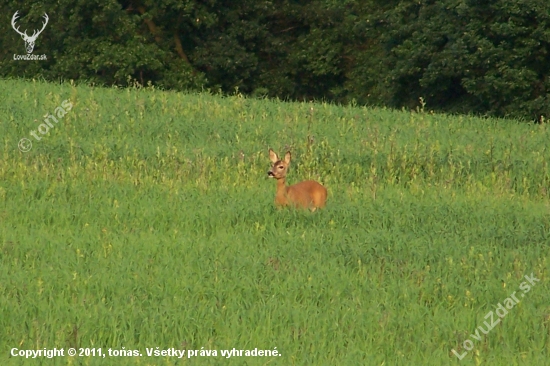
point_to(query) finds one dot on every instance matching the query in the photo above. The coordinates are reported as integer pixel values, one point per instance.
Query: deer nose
(270, 174)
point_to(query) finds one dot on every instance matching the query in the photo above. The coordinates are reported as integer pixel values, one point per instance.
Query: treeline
(470, 56)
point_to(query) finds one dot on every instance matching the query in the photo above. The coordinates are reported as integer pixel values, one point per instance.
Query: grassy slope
(145, 219)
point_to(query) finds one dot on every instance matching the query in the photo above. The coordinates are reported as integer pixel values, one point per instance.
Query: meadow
(145, 219)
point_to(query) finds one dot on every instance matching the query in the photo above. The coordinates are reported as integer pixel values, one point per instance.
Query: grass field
(145, 219)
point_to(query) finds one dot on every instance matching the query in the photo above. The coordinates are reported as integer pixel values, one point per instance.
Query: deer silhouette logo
(29, 40)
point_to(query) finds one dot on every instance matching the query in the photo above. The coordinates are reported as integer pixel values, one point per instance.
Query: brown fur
(306, 194)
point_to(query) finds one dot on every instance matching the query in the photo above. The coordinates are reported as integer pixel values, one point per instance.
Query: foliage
(482, 57)
(470, 56)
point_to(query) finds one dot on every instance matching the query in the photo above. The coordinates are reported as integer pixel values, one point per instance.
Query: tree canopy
(484, 57)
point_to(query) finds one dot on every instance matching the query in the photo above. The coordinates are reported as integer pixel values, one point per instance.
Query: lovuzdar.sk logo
(29, 40)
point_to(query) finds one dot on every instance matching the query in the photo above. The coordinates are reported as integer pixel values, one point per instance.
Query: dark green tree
(471, 56)
(487, 57)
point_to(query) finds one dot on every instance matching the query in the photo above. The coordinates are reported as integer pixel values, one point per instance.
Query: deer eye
(280, 167)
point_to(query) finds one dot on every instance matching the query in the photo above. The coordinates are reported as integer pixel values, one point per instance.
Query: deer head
(29, 40)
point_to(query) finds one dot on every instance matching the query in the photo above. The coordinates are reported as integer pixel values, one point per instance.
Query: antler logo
(29, 40)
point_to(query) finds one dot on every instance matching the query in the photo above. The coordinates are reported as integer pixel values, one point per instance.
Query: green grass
(145, 219)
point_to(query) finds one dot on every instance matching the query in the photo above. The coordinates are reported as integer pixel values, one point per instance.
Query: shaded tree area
(486, 57)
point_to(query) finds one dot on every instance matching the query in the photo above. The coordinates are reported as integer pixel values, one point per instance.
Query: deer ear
(287, 157)
(273, 157)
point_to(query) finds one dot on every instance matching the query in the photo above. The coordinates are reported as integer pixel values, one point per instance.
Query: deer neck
(281, 189)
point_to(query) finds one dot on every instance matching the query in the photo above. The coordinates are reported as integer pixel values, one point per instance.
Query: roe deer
(307, 194)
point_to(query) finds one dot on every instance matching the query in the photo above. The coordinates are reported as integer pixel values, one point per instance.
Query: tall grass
(145, 219)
